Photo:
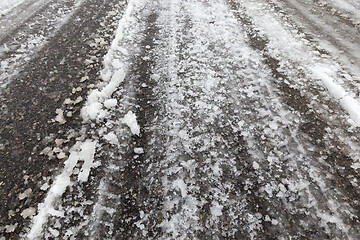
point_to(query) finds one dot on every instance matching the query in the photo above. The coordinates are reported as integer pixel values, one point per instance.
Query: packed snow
(191, 133)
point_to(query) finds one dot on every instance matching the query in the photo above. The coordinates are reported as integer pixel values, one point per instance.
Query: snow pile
(97, 99)
(81, 151)
(112, 75)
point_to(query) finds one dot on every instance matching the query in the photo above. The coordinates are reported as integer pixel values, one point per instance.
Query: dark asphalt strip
(129, 185)
(30, 101)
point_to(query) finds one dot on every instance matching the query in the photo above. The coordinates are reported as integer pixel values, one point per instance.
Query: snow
(42, 28)
(255, 165)
(7, 5)
(351, 7)
(81, 151)
(112, 138)
(130, 120)
(356, 165)
(60, 116)
(54, 232)
(94, 106)
(87, 155)
(207, 115)
(138, 150)
(29, 212)
(110, 103)
(216, 209)
(27, 193)
(180, 184)
(11, 228)
(349, 103)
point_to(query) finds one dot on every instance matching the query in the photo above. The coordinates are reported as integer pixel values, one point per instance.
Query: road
(168, 119)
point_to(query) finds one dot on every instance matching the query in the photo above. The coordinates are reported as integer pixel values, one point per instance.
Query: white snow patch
(110, 103)
(112, 138)
(130, 120)
(274, 222)
(88, 152)
(139, 150)
(11, 228)
(29, 212)
(81, 151)
(27, 193)
(96, 98)
(44, 187)
(7, 5)
(180, 184)
(216, 209)
(60, 116)
(356, 166)
(255, 165)
(348, 103)
(54, 232)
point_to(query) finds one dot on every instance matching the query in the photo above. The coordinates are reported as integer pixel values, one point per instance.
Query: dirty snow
(225, 157)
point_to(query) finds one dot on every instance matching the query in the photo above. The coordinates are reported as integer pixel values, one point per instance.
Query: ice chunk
(87, 154)
(60, 116)
(112, 138)
(356, 165)
(29, 212)
(11, 228)
(116, 79)
(110, 103)
(180, 184)
(61, 155)
(44, 187)
(274, 222)
(27, 193)
(139, 150)
(241, 124)
(130, 120)
(54, 232)
(255, 165)
(216, 209)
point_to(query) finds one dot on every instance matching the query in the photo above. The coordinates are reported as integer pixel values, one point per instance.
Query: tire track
(29, 105)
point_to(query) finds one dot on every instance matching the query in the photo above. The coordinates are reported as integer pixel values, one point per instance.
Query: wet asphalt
(29, 103)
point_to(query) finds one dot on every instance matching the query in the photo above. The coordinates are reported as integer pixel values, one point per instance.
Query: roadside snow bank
(113, 74)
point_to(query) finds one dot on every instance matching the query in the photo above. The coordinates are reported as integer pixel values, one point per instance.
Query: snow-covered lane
(212, 120)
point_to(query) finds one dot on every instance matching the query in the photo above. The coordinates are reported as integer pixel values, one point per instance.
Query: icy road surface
(180, 119)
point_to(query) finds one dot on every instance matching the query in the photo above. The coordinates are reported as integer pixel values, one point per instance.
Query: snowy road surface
(180, 119)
